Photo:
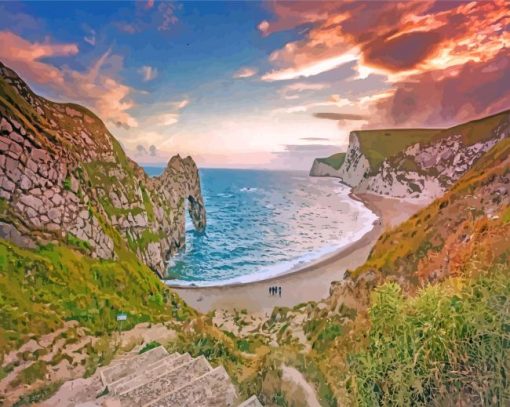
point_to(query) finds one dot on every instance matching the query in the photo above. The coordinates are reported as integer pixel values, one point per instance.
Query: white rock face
(422, 172)
(356, 165)
(320, 169)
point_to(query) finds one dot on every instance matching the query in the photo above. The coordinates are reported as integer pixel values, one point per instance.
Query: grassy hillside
(447, 345)
(39, 289)
(378, 145)
(433, 230)
(335, 160)
(437, 290)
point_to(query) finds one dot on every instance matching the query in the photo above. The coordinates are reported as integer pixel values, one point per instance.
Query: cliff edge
(328, 166)
(415, 164)
(65, 178)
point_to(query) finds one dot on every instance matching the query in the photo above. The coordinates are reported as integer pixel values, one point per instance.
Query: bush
(327, 335)
(31, 374)
(41, 394)
(448, 345)
(149, 346)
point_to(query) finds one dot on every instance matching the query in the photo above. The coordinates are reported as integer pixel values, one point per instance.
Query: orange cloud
(93, 88)
(427, 50)
(24, 57)
(448, 96)
(390, 36)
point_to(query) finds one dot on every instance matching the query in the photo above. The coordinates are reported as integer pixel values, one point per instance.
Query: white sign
(121, 317)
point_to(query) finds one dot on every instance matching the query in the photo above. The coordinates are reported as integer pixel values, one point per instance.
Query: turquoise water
(265, 223)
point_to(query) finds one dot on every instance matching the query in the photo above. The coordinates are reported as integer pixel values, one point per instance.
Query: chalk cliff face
(328, 166)
(418, 164)
(321, 169)
(64, 178)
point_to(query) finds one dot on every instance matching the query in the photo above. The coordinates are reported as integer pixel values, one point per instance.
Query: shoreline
(298, 268)
(310, 282)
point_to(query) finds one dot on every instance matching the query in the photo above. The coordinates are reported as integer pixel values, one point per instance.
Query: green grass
(328, 334)
(149, 346)
(36, 371)
(67, 184)
(41, 288)
(477, 130)
(149, 207)
(450, 343)
(377, 145)
(41, 394)
(77, 243)
(335, 160)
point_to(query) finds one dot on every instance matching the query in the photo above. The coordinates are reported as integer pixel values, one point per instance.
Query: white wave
(355, 224)
(366, 220)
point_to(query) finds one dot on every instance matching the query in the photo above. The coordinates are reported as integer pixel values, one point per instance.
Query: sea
(262, 224)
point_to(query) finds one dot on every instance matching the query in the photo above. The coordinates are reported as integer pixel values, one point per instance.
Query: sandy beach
(310, 283)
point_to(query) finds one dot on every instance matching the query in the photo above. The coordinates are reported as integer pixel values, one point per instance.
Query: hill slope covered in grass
(423, 322)
(83, 232)
(328, 166)
(431, 302)
(335, 160)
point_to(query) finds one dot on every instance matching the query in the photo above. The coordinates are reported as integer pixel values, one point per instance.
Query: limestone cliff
(418, 164)
(327, 167)
(64, 177)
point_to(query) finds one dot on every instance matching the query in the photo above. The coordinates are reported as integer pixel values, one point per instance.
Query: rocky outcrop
(321, 169)
(327, 166)
(423, 170)
(63, 177)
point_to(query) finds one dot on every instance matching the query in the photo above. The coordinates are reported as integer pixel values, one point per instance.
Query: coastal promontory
(66, 179)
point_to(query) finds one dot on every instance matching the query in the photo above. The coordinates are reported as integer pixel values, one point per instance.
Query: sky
(261, 84)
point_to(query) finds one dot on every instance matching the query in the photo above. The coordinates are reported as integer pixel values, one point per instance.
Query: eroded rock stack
(63, 177)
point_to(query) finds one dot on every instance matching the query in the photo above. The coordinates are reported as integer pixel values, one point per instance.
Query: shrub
(41, 394)
(149, 346)
(448, 345)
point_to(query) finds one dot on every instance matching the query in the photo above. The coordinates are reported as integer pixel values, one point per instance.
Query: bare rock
(9, 232)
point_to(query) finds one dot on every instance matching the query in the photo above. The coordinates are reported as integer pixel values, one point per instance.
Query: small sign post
(120, 318)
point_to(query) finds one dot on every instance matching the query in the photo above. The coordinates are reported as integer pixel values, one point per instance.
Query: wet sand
(310, 283)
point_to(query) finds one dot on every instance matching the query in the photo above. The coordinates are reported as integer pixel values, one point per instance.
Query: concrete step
(159, 369)
(253, 401)
(162, 363)
(131, 365)
(166, 383)
(128, 355)
(213, 389)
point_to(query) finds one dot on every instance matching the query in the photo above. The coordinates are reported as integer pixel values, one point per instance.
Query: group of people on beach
(274, 290)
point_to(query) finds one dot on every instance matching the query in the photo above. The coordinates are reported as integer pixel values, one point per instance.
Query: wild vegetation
(425, 321)
(39, 289)
(448, 345)
(428, 315)
(335, 160)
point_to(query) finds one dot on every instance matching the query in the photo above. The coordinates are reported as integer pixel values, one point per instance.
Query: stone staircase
(158, 379)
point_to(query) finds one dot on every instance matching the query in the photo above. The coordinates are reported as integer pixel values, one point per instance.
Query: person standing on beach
(280, 291)
(269, 290)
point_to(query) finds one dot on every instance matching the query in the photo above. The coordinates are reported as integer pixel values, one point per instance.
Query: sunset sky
(239, 84)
